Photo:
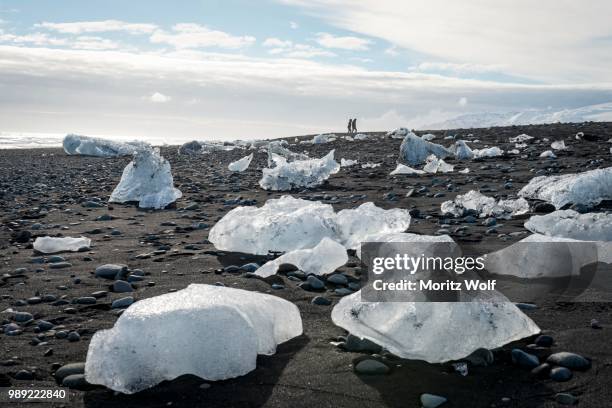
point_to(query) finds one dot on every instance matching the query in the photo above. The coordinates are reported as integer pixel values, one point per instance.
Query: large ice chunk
(242, 164)
(399, 133)
(404, 237)
(434, 331)
(435, 165)
(462, 151)
(588, 188)
(489, 152)
(323, 259)
(52, 245)
(541, 256)
(288, 223)
(484, 206)
(95, 146)
(415, 150)
(571, 224)
(210, 331)
(278, 148)
(205, 147)
(301, 173)
(148, 180)
(403, 169)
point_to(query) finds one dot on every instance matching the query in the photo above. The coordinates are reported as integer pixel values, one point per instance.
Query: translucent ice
(148, 180)
(347, 162)
(205, 147)
(490, 152)
(520, 138)
(435, 165)
(288, 223)
(403, 169)
(94, 146)
(51, 245)
(571, 224)
(323, 138)
(301, 173)
(415, 150)
(541, 256)
(558, 145)
(361, 136)
(434, 331)
(428, 136)
(370, 165)
(548, 154)
(242, 164)
(323, 259)
(588, 188)
(462, 151)
(210, 331)
(484, 206)
(277, 148)
(399, 133)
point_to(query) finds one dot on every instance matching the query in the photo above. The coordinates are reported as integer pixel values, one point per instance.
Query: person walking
(350, 125)
(354, 126)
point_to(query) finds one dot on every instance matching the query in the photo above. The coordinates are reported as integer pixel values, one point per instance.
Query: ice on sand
(95, 146)
(548, 154)
(403, 169)
(347, 162)
(148, 180)
(278, 148)
(462, 151)
(489, 152)
(210, 331)
(435, 165)
(52, 245)
(323, 138)
(401, 238)
(542, 256)
(558, 145)
(288, 223)
(434, 331)
(242, 164)
(520, 138)
(399, 133)
(571, 224)
(415, 150)
(201, 147)
(301, 173)
(484, 206)
(323, 259)
(588, 188)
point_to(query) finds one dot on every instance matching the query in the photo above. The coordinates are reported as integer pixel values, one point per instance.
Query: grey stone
(69, 369)
(432, 401)
(371, 367)
(122, 303)
(122, 286)
(111, 271)
(565, 398)
(520, 358)
(354, 343)
(22, 317)
(320, 300)
(60, 265)
(337, 279)
(76, 381)
(315, 283)
(569, 360)
(560, 374)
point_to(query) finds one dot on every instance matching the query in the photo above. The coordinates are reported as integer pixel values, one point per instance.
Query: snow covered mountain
(597, 113)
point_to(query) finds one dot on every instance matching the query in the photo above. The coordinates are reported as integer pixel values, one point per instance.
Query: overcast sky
(225, 69)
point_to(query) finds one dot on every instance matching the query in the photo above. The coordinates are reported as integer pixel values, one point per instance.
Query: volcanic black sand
(47, 187)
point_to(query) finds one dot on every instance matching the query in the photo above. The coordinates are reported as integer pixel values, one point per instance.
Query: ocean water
(24, 140)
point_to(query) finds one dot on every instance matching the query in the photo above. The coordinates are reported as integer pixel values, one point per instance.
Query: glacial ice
(403, 169)
(558, 145)
(301, 173)
(52, 245)
(434, 331)
(571, 224)
(399, 133)
(323, 138)
(204, 147)
(148, 180)
(323, 259)
(588, 188)
(542, 256)
(361, 136)
(484, 206)
(213, 332)
(404, 237)
(415, 150)
(288, 223)
(370, 165)
(520, 138)
(489, 152)
(462, 151)
(242, 164)
(277, 148)
(428, 136)
(94, 146)
(347, 162)
(548, 154)
(435, 165)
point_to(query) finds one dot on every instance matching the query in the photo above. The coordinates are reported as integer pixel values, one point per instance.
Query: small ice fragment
(51, 245)
(242, 164)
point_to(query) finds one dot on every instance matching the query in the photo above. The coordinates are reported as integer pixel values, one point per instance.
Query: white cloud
(294, 25)
(158, 97)
(343, 42)
(289, 49)
(189, 35)
(81, 27)
(40, 39)
(94, 43)
(458, 68)
(463, 101)
(537, 40)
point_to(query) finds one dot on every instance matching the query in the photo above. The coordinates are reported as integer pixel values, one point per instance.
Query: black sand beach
(44, 192)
